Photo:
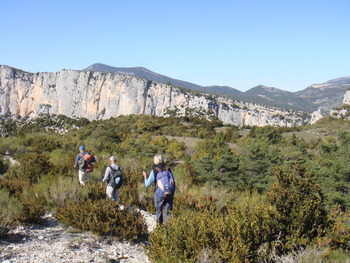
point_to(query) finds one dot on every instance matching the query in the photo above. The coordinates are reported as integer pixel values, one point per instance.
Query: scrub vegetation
(243, 195)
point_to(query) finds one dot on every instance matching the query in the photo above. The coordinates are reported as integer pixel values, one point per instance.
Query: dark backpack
(85, 162)
(115, 177)
(165, 182)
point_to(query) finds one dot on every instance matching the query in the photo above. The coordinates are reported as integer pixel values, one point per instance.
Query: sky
(238, 43)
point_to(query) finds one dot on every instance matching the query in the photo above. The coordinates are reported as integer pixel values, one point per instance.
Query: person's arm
(106, 177)
(150, 180)
(77, 161)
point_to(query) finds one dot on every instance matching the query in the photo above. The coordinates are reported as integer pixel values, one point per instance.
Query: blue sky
(284, 44)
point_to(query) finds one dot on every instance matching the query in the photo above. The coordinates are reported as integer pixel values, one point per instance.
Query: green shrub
(182, 238)
(241, 234)
(32, 211)
(15, 186)
(33, 166)
(102, 217)
(61, 162)
(248, 232)
(57, 191)
(300, 206)
(10, 210)
(33, 206)
(338, 235)
(133, 190)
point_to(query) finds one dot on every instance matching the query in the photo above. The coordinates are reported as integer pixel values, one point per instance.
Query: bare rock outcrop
(346, 100)
(98, 95)
(316, 116)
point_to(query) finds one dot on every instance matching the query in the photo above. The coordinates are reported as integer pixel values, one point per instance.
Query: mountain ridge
(102, 95)
(328, 95)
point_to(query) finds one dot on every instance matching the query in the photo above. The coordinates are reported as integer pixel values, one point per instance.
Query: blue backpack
(165, 183)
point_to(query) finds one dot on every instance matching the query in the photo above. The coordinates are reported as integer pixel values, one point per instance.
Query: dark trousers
(163, 204)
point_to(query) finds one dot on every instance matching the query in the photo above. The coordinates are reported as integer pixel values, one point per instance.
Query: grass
(314, 255)
(188, 141)
(310, 136)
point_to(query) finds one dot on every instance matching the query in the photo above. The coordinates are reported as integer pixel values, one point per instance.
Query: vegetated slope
(326, 95)
(276, 97)
(272, 192)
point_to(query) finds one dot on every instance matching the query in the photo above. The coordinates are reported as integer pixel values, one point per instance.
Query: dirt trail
(52, 243)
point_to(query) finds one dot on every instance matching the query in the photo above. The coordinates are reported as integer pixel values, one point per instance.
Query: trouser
(112, 193)
(163, 204)
(83, 176)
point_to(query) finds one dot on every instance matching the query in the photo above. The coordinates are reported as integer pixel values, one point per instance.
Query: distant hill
(275, 97)
(148, 74)
(325, 96)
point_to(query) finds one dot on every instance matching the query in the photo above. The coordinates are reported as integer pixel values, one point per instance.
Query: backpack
(165, 182)
(85, 163)
(116, 178)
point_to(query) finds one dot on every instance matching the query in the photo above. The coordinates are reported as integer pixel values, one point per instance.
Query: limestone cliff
(98, 95)
(343, 112)
(346, 100)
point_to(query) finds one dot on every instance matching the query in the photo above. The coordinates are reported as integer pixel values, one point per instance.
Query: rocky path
(52, 242)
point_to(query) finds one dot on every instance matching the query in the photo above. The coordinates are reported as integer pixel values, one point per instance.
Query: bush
(15, 186)
(10, 210)
(33, 166)
(32, 211)
(57, 191)
(338, 235)
(243, 233)
(102, 217)
(300, 206)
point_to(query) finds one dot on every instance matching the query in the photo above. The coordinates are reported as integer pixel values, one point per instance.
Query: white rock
(316, 116)
(96, 95)
(347, 98)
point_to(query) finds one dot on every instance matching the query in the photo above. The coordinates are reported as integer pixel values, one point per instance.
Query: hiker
(114, 178)
(85, 162)
(164, 191)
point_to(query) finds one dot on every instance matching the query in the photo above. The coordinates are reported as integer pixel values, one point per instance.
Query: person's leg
(115, 194)
(81, 177)
(109, 192)
(168, 206)
(158, 203)
(86, 176)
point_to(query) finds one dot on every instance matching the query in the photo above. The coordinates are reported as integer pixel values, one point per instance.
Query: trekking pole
(144, 181)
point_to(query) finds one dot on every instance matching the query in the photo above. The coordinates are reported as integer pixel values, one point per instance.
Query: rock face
(316, 116)
(346, 100)
(98, 95)
(325, 96)
(343, 112)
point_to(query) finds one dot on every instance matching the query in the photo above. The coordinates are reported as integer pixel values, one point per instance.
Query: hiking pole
(144, 171)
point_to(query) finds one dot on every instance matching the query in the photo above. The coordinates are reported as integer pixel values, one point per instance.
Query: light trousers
(83, 176)
(112, 193)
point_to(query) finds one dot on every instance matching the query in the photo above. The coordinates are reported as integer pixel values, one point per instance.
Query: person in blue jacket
(161, 201)
(83, 175)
